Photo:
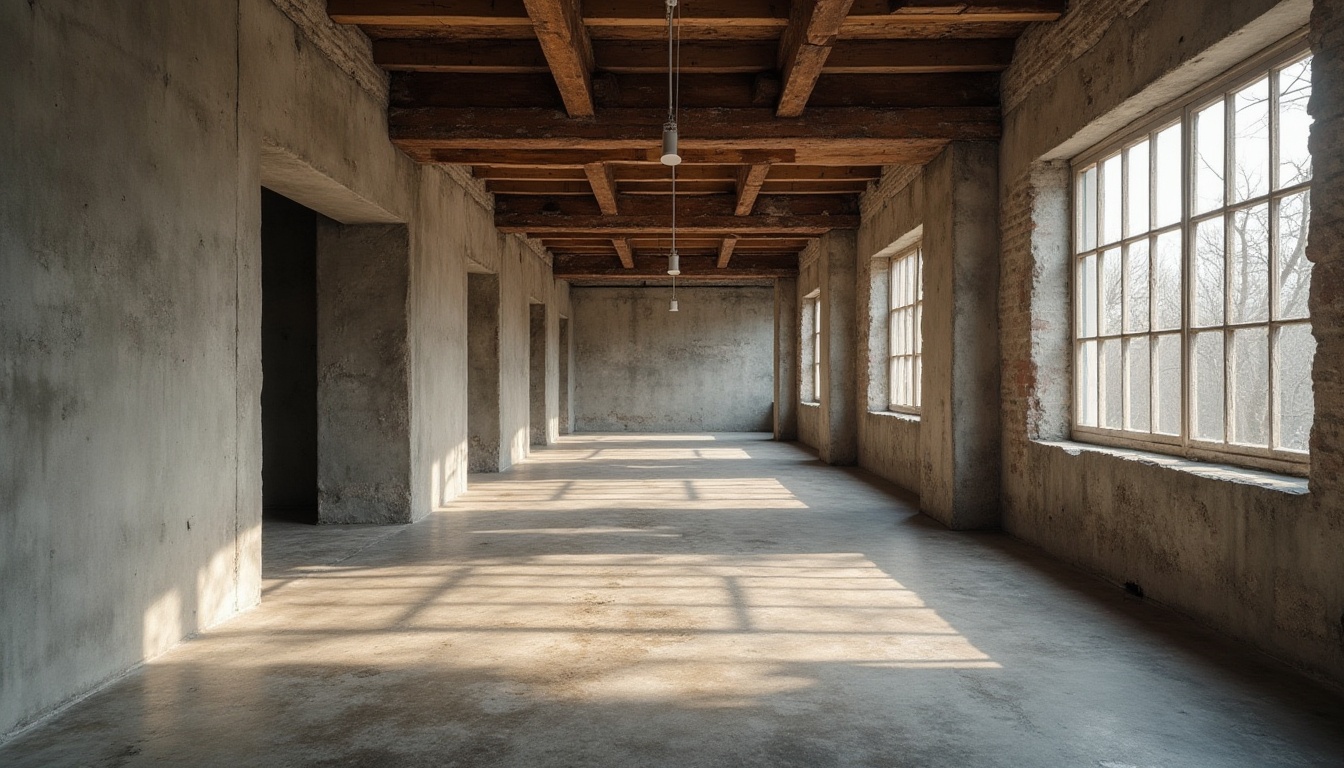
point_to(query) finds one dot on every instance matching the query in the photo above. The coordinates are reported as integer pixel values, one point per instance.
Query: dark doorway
(483, 445)
(288, 359)
(537, 373)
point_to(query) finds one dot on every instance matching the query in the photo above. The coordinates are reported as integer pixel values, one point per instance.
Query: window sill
(913, 418)
(1270, 481)
(810, 403)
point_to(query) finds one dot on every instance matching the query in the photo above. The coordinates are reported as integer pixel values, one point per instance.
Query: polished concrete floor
(691, 601)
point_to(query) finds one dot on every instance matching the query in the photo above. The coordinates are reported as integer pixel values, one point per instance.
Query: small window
(1191, 277)
(905, 328)
(816, 349)
(810, 343)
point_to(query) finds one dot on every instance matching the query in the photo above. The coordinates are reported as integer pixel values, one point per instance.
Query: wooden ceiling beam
(547, 226)
(635, 57)
(564, 40)
(726, 251)
(577, 158)
(623, 250)
(708, 129)
(690, 210)
(603, 185)
(749, 181)
(590, 266)
(872, 57)
(487, 57)
(804, 47)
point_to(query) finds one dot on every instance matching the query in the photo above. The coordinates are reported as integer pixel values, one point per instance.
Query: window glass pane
(1209, 135)
(1208, 273)
(1294, 123)
(1112, 385)
(1139, 384)
(1112, 198)
(1206, 385)
(1248, 287)
(1295, 348)
(1249, 377)
(1086, 202)
(1167, 282)
(916, 384)
(1136, 287)
(1294, 271)
(897, 382)
(917, 332)
(1167, 384)
(1087, 384)
(898, 333)
(1136, 213)
(1086, 296)
(1112, 307)
(1167, 186)
(1250, 141)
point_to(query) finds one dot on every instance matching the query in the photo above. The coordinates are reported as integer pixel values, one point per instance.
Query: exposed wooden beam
(425, 151)
(528, 187)
(871, 57)
(485, 57)
(708, 129)
(565, 42)
(749, 181)
(804, 47)
(623, 250)
(634, 57)
(690, 210)
(604, 187)
(591, 266)
(543, 225)
(726, 251)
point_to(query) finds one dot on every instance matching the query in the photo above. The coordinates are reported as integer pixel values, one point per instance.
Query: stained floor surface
(677, 600)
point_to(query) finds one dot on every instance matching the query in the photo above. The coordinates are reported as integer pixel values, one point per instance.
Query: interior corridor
(690, 600)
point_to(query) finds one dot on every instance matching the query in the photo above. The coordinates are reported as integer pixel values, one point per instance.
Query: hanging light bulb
(674, 306)
(673, 264)
(670, 154)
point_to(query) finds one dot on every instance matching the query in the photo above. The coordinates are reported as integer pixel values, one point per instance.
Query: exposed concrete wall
(888, 443)
(1246, 555)
(786, 359)
(483, 382)
(960, 434)
(130, 298)
(830, 267)
(639, 367)
(363, 382)
(565, 382)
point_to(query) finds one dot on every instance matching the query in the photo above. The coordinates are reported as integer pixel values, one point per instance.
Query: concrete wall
(130, 303)
(639, 367)
(1249, 554)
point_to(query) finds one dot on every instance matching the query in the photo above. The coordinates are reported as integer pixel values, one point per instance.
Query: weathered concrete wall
(363, 380)
(786, 359)
(130, 303)
(639, 367)
(483, 382)
(828, 271)
(888, 443)
(1247, 554)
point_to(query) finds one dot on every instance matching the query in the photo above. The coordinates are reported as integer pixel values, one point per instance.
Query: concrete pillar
(363, 389)
(838, 260)
(483, 426)
(786, 359)
(565, 389)
(960, 435)
(538, 426)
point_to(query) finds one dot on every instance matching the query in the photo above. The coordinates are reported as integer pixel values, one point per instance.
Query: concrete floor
(690, 601)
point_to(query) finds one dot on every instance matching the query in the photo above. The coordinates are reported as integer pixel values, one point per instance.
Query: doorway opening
(537, 374)
(483, 428)
(288, 359)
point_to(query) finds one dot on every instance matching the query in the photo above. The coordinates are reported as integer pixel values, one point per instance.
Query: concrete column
(960, 436)
(363, 389)
(483, 426)
(786, 359)
(537, 422)
(839, 344)
(565, 388)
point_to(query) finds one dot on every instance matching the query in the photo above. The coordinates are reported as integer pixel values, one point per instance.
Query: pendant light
(671, 156)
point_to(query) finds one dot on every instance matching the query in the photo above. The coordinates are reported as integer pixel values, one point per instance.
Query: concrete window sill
(897, 415)
(810, 404)
(1295, 486)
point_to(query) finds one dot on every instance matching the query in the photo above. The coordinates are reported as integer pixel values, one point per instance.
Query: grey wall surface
(131, 308)
(483, 384)
(639, 367)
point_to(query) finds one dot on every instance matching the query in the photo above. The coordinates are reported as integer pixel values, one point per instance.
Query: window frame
(913, 252)
(816, 348)
(1182, 112)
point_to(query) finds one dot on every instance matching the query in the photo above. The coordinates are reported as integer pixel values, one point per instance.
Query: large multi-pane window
(1191, 278)
(905, 326)
(816, 348)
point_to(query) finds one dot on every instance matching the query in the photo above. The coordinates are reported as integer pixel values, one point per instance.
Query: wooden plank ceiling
(789, 110)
